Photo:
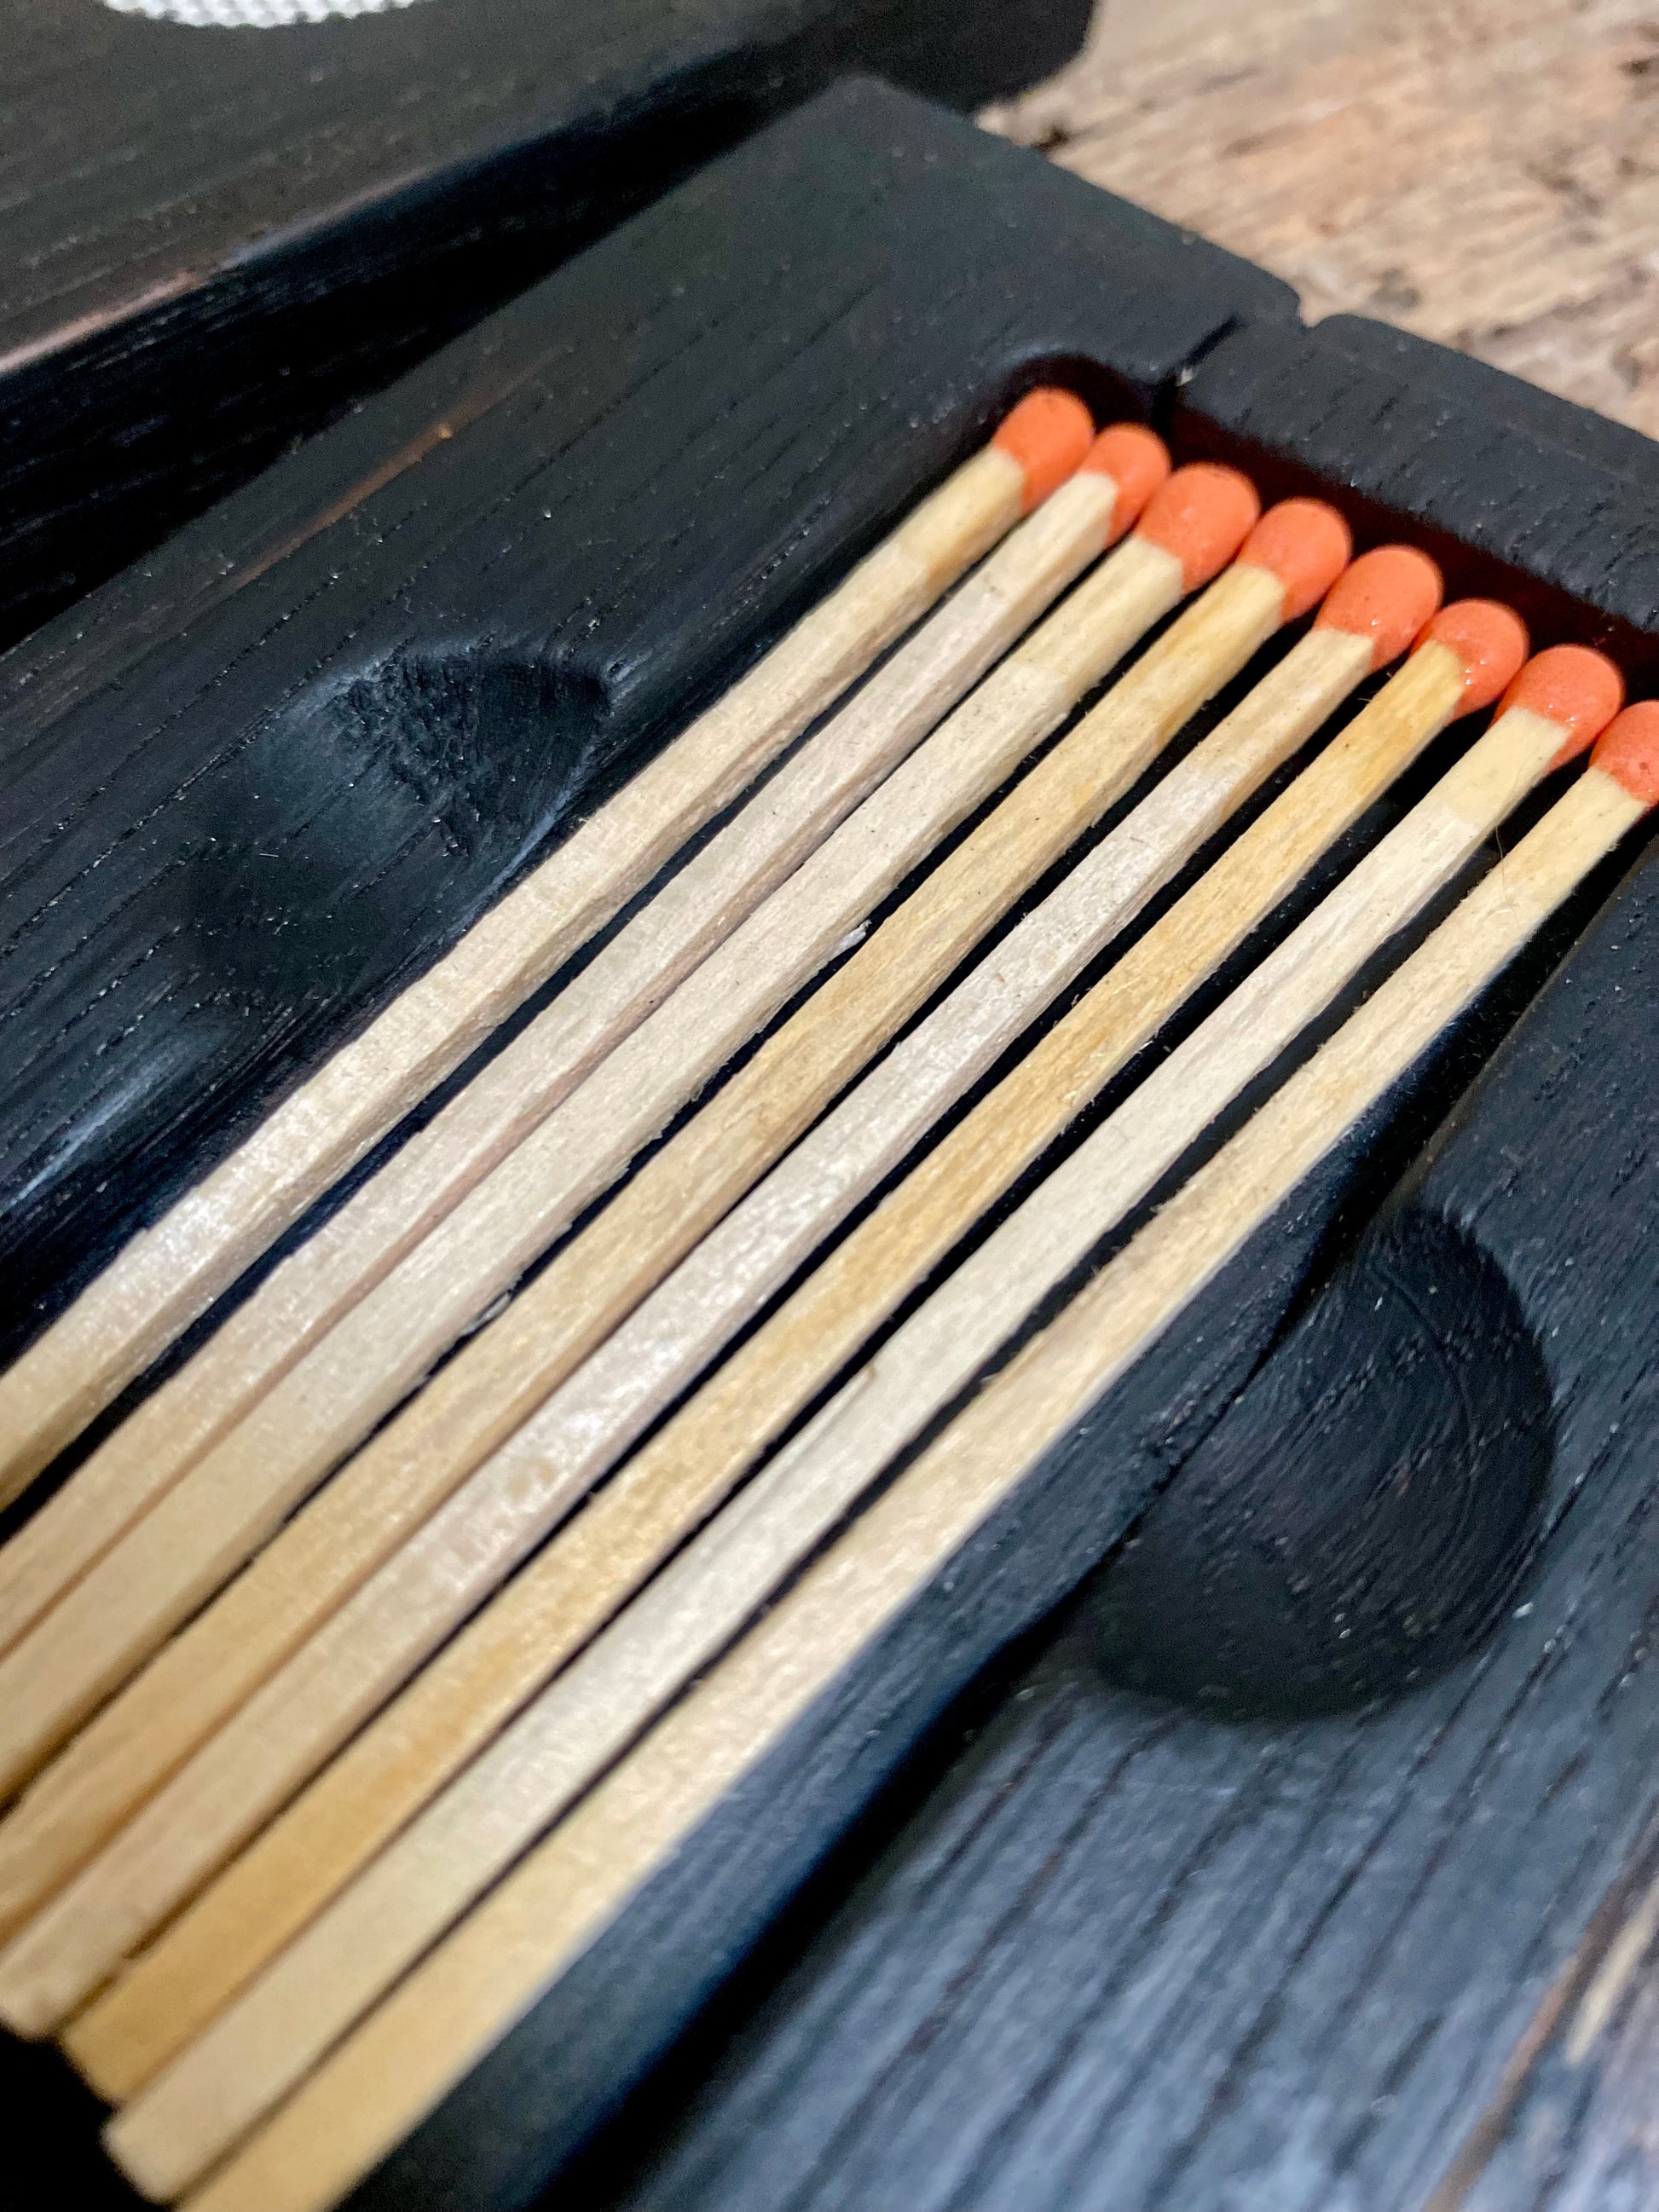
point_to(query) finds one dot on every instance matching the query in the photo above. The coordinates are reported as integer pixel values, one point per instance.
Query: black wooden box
(1015, 1938)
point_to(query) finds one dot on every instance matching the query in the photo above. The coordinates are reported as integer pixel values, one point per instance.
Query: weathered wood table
(1483, 172)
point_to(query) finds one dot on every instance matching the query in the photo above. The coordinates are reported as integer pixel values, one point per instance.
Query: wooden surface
(1481, 172)
(500, 1377)
(872, 348)
(217, 242)
(542, 1461)
(1305, 1992)
(477, 1985)
(437, 724)
(166, 1279)
(1132, 1956)
(1124, 1956)
(690, 1466)
(729, 1592)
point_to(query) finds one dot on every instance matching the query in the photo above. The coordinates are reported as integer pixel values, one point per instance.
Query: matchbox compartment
(256, 785)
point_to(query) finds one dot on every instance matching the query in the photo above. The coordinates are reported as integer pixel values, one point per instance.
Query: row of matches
(344, 1703)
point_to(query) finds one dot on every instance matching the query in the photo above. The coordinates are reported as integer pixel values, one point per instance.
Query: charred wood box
(1018, 1918)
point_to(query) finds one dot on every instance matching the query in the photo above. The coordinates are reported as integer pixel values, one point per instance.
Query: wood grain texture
(221, 240)
(485, 1526)
(734, 1566)
(1349, 1865)
(779, 1679)
(167, 1276)
(573, 1585)
(1573, 2102)
(172, 2134)
(1267, 1956)
(1311, 1995)
(1502, 481)
(197, 1534)
(1476, 171)
(406, 663)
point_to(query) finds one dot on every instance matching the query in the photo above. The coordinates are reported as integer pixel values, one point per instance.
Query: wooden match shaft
(398, 2066)
(706, 898)
(403, 1901)
(295, 1867)
(172, 1272)
(481, 1395)
(360, 1656)
(173, 1557)
(202, 1528)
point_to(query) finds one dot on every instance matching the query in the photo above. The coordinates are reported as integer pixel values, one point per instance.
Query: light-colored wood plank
(399, 2064)
(1477, 171)
(173, 1272)
(504, 1655)
(206, 1524)
(686, 920)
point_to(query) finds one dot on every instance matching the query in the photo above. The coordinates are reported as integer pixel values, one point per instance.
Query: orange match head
(1491, 641)
(1629, 751)
(1203, 515)
(1138, 462)
(1303, 543)
(1387, 596)
(1047, 434)
(1578, 690)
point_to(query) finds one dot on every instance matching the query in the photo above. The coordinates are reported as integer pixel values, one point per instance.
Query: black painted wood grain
(1129, 1953)
(260, 780)
(1256, 1959)
(216, 239)
(566, 2065)
(1514, 491)
(1570, 2125)
(1109, 1950)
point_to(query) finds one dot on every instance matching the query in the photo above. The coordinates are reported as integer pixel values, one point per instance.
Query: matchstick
(1373, 614)
(172, 1272)
(403, 1901)
(401, 2062)
(195, 1535)
(702, 902)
